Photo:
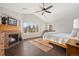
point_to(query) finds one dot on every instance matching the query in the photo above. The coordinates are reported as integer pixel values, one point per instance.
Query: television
(12, 21)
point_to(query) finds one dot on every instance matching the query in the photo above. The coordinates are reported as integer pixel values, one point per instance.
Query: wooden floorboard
(27, 49)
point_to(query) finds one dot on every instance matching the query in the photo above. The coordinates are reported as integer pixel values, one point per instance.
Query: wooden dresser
(2, 51)
(72, 48)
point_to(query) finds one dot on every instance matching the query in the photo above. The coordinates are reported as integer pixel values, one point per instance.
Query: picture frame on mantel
(5, 20)
(12, 21)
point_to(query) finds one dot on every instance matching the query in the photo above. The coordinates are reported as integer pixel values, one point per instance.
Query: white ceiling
(18, 7)
(58, 10)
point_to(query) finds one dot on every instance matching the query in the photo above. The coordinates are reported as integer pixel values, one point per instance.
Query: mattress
(56, 37)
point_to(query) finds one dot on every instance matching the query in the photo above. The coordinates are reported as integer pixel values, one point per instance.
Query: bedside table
(72, 48)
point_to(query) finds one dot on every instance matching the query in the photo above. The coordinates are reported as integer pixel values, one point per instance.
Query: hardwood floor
(27, 49)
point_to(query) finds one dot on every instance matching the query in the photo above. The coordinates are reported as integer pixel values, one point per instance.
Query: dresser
(2, 51)
(72, 48)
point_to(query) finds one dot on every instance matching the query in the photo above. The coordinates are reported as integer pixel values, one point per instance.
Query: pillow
(74, 32)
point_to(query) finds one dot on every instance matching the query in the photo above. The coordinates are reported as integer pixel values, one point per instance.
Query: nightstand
(72, 48)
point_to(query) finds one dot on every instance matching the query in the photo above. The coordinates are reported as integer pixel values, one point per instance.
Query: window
(28, 27)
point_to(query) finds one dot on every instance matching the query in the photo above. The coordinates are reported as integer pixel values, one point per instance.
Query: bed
(59, 39)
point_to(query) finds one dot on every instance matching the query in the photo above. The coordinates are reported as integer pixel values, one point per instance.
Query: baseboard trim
(32, 38)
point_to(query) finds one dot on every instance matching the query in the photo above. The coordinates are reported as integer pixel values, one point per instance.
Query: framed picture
(12, 21)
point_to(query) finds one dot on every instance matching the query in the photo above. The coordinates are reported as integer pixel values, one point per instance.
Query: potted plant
(4, 20)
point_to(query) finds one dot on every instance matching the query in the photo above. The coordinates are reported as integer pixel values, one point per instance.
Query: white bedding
(57, 37)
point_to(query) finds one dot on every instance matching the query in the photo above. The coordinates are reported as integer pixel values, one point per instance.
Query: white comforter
(57, 37)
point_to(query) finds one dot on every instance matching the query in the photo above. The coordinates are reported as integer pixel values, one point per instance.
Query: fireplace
(13, 38)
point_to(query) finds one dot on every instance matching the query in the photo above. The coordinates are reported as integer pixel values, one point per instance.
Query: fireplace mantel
(9, 28)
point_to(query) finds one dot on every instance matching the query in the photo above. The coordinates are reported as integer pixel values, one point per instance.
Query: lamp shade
(76, 23)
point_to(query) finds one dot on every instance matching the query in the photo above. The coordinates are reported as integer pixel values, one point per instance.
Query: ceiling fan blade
(49, 7)
(39, 11)
(42, 13)
(48, 11)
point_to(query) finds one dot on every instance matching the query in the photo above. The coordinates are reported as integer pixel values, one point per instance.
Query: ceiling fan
(45, 9)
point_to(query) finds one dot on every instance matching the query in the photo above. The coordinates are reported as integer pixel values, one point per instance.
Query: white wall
(63, 20)
(6, 12)
(63, 26)
(24, 18)
(10, 13)
(62, 17)
(31, 18)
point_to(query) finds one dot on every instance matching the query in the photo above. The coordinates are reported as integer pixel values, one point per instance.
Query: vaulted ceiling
(59, 10)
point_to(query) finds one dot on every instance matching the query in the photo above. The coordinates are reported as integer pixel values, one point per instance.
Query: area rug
(41, 44)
